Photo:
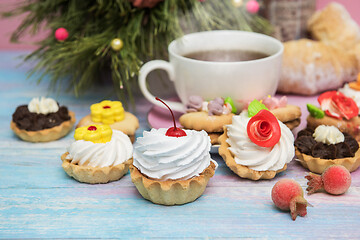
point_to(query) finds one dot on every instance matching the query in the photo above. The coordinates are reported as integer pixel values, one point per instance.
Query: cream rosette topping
(43, 105)
(98, 150)
(250, 154)
(163, 157)
(328, 135)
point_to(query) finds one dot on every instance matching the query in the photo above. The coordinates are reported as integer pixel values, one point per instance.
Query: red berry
(173, 131)
(92, 128)
(335, 179)
(106, 107)
(288, 195)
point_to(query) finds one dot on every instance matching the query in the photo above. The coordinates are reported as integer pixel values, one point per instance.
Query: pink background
(7, 26)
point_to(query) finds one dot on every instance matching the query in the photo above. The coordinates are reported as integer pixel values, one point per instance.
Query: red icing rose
(337, 105)
(263, 129)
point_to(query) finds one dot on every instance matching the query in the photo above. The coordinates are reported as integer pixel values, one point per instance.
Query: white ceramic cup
(243, 81)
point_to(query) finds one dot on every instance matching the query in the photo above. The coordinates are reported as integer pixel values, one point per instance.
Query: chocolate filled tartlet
(326, 146)
(42, 120)
(24, 119)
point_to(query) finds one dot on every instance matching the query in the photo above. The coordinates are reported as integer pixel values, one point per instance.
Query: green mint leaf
(315, 111)
(232, 104)
(254, 107)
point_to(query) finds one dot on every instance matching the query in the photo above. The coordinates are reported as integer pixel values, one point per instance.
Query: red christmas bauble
(61, 34)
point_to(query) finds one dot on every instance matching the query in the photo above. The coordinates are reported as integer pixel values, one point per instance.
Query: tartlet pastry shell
(318, 165)
(127, 126)
(171, 192)
(93, 175)
(242, 171)
(45, 135)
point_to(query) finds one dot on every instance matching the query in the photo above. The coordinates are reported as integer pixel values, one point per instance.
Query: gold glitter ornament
(117, 44)
(237, 3)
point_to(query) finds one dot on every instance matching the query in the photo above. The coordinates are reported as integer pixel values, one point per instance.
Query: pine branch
(86, 54)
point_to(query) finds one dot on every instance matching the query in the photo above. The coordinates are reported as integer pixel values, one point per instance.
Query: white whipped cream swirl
(352, 93)
(86, 153)
(161, 157)
(253, 156)
(328, 135)
(43, 105)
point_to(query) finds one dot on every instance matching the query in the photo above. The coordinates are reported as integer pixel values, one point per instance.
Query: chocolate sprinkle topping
(321, 150)
(306, 144)
(305, 132)
(24, 119)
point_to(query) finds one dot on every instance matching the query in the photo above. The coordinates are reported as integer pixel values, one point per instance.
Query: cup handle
(149, 67)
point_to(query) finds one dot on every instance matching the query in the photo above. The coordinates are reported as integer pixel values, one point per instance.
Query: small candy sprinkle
(92, 128)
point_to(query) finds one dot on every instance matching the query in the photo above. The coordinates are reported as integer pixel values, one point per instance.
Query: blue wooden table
(38, 199)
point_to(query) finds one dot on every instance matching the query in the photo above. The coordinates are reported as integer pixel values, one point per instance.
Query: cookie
(111, 113)
(289, 115)
(210, 116)
(127, 126)
(202, 121)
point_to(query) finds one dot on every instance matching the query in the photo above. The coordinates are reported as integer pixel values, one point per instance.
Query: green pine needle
(82, 59)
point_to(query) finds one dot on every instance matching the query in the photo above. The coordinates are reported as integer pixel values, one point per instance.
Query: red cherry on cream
(173, 131)
(263, 129)
(105, 107)
(92, 128)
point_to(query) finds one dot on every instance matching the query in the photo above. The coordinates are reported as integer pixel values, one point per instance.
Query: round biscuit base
(127, 126)
(171, 192)
(289, 115)
(95, 175)
(202, 121)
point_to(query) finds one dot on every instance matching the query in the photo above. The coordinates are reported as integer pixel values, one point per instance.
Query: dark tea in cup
(234, 55)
